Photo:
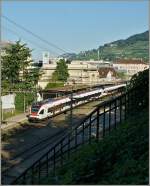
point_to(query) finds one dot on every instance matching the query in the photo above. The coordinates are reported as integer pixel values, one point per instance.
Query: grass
(58, 85)
(7, 115)
(121, 158)
(21, 97)
(54, 85)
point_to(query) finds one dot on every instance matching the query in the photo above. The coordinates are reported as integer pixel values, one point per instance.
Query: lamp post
(98, 54)
(1, 109)
(24, 102)
(71, 107)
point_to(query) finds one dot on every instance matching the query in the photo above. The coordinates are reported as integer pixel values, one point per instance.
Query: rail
(107, 116)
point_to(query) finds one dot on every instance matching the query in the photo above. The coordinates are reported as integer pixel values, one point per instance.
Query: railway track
(27, 153)
(21, 159)
(32, 152)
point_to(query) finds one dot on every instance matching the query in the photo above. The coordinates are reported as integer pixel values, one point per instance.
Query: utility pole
(24, 102)
(98, 54)
(71, 108)
(1, 111)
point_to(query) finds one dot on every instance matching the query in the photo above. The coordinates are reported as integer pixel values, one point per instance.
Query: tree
(11, 64)
(16, 60)
(121, 75)
(15, 67)
(61, 72)
(33, 76)
(140, 83)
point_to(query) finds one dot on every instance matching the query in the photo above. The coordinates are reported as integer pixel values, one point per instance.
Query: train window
(49, 109)
(42, 112)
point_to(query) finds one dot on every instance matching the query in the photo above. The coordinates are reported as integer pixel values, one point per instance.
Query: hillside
(120, 159)
(69, 56)
(136, 46)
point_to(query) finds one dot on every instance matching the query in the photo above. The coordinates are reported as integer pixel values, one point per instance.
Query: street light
(71, 106)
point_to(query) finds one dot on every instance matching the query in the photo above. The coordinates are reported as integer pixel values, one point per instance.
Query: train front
(33, 113)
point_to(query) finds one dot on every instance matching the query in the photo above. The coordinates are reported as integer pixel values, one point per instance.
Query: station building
(80, 72)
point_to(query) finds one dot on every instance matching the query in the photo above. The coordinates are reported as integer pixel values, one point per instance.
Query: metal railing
(96, 125)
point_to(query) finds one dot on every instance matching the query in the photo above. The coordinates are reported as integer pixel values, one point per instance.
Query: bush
(19, 100)
(140, 80)
(140, 83)
(121, 158)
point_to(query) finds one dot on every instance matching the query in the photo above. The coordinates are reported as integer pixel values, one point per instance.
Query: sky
(72, 26)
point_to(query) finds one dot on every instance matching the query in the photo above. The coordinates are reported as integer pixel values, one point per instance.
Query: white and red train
(50, 107)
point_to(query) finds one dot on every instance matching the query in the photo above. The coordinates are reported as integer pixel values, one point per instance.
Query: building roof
(4, 44)
(129, 61)
(104, 71)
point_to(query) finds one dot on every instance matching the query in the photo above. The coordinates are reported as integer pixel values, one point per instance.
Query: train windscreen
(34, 109)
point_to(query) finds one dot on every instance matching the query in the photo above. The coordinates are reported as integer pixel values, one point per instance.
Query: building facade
(3, 46)
(107, 74)
(46, 56)
(130, 67)
(80, 72)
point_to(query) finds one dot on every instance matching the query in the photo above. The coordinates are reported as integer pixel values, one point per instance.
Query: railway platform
(13, 121)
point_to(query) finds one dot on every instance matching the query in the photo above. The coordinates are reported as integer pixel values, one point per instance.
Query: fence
(96, 125)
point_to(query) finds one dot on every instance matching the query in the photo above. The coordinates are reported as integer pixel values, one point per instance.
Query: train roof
(58, 101)
(40, 103)
(88, 93)
(52, 102)
(114, 87)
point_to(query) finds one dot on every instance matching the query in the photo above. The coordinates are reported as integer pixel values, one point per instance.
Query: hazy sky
(73, 26)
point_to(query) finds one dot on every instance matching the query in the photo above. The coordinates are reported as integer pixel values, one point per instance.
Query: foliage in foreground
(140, 82)
(121, 158)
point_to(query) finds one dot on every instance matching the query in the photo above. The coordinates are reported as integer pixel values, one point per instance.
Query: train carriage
(50, 107)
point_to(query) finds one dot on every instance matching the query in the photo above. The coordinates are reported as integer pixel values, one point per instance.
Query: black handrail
(113, 109)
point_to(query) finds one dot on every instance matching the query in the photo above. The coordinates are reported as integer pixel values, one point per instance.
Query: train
(47, 108)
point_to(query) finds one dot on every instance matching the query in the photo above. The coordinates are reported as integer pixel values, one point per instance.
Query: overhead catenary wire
(34, 43)
(33, 34)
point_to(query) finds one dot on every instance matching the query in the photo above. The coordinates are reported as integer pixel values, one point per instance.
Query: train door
(42, 114)
(49, 112)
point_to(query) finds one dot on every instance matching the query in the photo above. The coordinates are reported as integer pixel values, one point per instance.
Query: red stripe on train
(34, 113)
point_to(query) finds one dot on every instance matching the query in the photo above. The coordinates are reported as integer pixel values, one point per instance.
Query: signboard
(8, 101)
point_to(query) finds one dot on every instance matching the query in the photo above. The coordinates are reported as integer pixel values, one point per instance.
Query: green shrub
(19, 100)
(120, 158)
(140, 83)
